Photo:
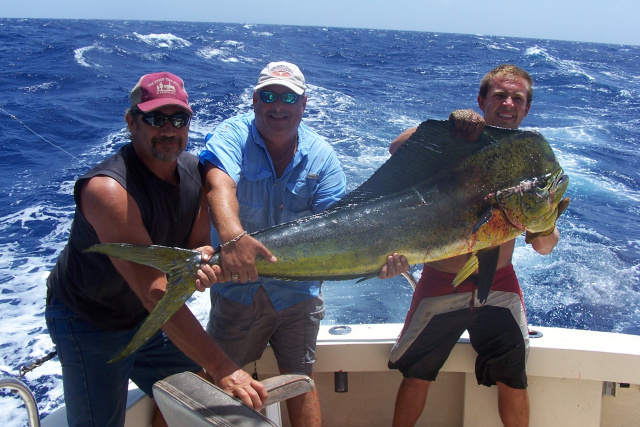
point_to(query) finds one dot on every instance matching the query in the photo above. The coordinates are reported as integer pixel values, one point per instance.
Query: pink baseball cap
(157, 90)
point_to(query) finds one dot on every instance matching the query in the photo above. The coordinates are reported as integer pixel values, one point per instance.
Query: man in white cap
(262, 169)
(149, 192)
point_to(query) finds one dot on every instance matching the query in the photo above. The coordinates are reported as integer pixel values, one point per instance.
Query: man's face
(506, 102)
(278, 120)
(165, 143)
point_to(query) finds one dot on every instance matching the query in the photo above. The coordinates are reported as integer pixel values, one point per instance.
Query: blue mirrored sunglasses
(271, 97)
(157, 119)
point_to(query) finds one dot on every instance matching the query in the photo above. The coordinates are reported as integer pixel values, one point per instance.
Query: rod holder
(341, 381)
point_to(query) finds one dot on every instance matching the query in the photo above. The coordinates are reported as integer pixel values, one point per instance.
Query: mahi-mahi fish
(437, 197)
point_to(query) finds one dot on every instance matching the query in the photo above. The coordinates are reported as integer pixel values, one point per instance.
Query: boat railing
(29, 400)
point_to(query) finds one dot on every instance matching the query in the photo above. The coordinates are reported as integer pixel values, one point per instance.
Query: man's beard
(166, 148)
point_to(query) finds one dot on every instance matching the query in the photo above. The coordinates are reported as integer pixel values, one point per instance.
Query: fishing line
(37, 134)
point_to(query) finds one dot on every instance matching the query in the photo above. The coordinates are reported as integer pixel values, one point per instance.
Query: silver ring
(235, 277)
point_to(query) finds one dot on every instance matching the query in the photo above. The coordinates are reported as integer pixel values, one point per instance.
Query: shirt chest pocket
(255, 172)
(253, 196)
(253, 185)
(298, 198)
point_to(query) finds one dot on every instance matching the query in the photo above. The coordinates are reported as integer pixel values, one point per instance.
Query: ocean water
(64, 87)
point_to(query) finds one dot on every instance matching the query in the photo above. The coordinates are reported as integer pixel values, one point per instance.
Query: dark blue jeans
(95, 391)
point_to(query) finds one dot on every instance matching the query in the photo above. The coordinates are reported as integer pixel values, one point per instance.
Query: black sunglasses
(157, 119)
(271, 97)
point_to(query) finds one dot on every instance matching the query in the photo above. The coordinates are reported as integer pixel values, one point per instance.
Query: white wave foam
(23, 287)
(570, 67)
(41, 87)
(81, 52)
(216, 53)
(225, 51)
(262, 33)
(167, 40)
(502, 45)
(603, 278)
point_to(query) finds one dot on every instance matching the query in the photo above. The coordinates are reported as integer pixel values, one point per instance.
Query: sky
(612, 21)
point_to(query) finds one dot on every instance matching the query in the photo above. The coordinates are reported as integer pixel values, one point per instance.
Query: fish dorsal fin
(432, 149)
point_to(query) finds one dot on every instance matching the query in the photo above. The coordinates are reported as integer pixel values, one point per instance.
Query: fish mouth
(558, 185)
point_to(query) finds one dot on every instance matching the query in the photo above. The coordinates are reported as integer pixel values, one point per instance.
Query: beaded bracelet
(235, 239)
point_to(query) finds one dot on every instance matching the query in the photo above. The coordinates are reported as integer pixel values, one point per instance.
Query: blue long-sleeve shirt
(312, 182)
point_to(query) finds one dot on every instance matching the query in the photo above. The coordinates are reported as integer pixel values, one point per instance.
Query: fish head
(533, 205)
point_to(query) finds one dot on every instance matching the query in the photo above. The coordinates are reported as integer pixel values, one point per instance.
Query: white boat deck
(576, 379)
(567, 370)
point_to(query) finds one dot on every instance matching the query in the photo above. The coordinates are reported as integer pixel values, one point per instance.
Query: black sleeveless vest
(88, 284)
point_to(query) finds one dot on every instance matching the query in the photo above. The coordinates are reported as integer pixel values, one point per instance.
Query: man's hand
(396, 264)
(241, 385)
(467, 124)
(207, 274)
(239, 258)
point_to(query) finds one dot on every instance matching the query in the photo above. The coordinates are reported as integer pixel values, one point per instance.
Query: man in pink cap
(149, 192)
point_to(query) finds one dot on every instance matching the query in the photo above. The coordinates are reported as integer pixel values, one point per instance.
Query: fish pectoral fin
(485, 218)
(488, 263)
(466, 270)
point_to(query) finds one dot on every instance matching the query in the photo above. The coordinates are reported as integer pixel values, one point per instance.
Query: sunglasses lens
(271, 97)
(268, 97)
(290, 98)
(157, 120)
(179, 120)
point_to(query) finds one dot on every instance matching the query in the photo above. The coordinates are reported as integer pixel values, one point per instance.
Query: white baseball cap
(283, 74)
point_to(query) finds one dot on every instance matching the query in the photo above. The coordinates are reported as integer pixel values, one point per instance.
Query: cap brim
(154, 104)
(276, 82)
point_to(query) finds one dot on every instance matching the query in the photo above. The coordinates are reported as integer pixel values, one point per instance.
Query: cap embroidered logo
(281, 71)
(165, 88)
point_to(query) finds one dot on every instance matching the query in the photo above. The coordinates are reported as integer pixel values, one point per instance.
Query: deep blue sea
(64, 88)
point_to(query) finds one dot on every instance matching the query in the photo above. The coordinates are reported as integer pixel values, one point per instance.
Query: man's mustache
(167, 139)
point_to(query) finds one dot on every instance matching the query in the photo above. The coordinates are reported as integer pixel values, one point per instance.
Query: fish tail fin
(181, 267)
(179, 289)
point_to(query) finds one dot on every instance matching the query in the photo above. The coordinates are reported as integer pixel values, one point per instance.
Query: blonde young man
(498, 328)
